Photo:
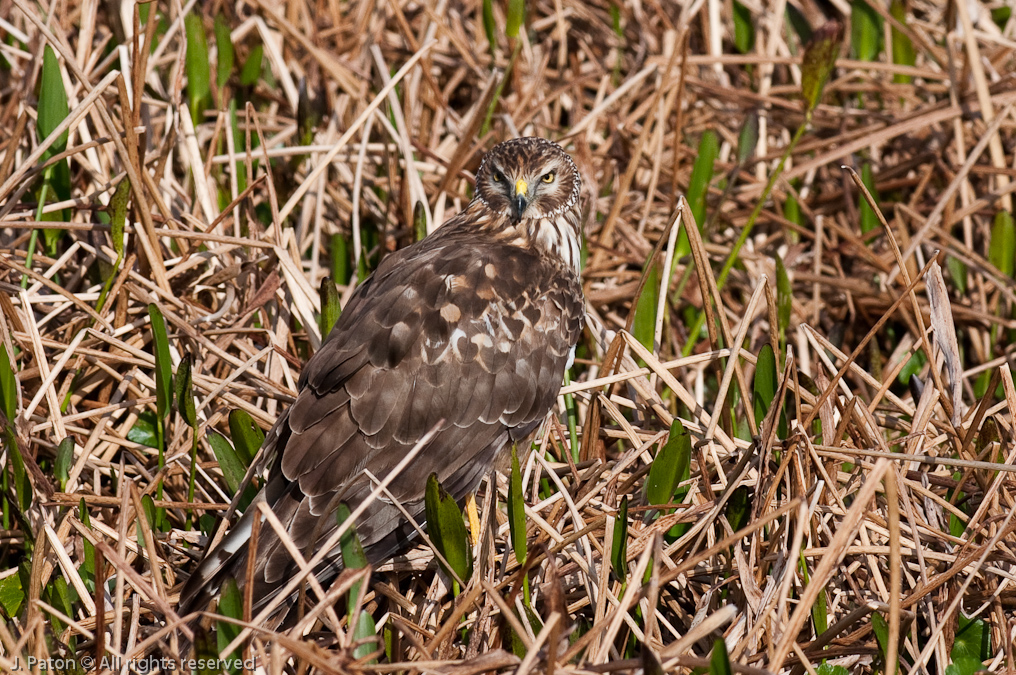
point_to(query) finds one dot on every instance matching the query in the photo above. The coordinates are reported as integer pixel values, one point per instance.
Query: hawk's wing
(472, 334)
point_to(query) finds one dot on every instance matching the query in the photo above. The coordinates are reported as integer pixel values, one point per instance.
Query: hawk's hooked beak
(521, 200)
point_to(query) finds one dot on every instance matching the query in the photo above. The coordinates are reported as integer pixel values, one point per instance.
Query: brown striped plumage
(474, 326)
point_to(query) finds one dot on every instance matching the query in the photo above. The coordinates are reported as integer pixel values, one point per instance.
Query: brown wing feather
(469, 331)
(476, 334)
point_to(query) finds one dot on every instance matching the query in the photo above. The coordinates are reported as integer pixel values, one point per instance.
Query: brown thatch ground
(861, 533)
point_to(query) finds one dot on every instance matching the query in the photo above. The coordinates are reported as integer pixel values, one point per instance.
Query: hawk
(469, 330)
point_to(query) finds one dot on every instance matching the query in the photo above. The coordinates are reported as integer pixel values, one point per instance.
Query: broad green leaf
(719, 661)
(869, 219)
(819, 60)
(143, 431)
(233, 469)
(184, 388)
(671, 466)
(224, 47)
(1002, 252)
(517, 512)
(828, 669)
(11, 595)
(865, 31)
(447, 529)
(619, 546)
(64, 461)
(973, 639)
(331, 308)
(246, 434)
(914, 366)
(199, 78)
(163, 362)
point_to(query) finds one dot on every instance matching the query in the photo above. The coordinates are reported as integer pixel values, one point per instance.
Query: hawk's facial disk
(528, 178)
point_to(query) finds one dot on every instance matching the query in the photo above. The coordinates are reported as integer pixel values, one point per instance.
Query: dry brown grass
(855, 512)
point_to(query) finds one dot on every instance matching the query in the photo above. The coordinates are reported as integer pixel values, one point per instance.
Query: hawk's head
(528, 178)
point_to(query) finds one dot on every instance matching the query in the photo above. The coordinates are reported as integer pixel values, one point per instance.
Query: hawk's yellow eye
(548, 177)
(497, 177)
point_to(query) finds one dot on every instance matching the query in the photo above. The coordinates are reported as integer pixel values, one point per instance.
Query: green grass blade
(869, 220)
(353, 557)
(10, 395)
(1002, 252)
(903, 47)
(251, 70)
(331, 307)
(517, 512)
(163, 362)
(184, 392)
(784, 302)
(744, 28)
(516, 17)
(739, 508)
(231, 606)
(53, 108)
(199, 77)
(719, 661)
(365, 634)
(766, 383)
(63, 462)
(865, 31)
(224, 47)
(489, 26)
(619, 546)
(644, 324)
(419, 221)
(339, 251)
(698, 185)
